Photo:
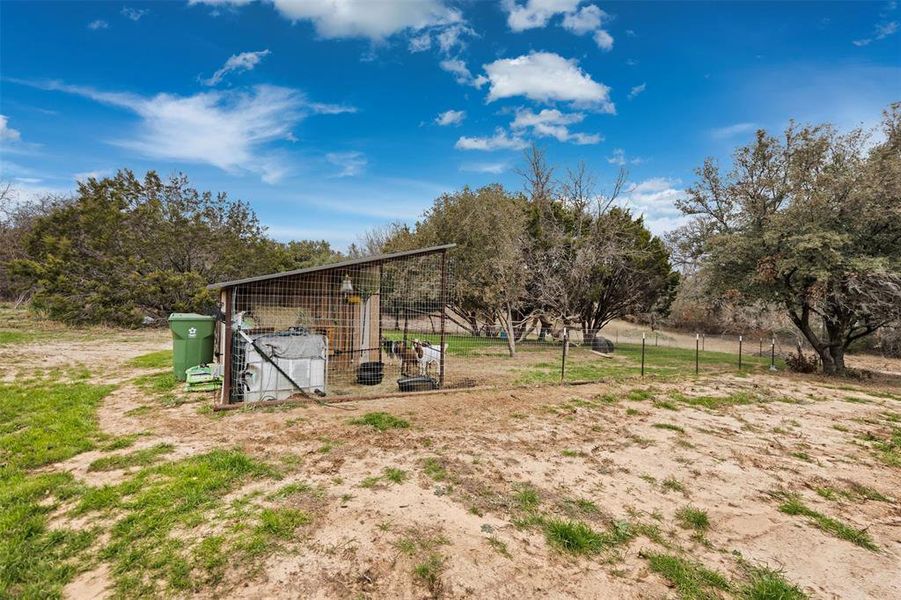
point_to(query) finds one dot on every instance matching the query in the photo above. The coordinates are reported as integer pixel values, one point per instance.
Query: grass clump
(153, 360)
(671, 484)
(669, 426)
(795, 507)
(138, 458)
(887, 447)
(381, 421)
(639, 395)
(527, 498)
(690, 517)
(765, 583)
(573, 537)
(432, 467)
(692, 579)
(282, 522)
(428, 572)
(395, 475)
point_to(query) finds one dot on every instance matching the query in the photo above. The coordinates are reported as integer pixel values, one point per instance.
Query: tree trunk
(508, 326)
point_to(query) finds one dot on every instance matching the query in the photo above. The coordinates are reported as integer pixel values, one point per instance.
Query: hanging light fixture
(347, 286)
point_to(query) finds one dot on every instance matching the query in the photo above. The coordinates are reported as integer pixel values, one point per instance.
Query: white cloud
(461, 72)
(246, 61)
(655, 200)
(588, 18)
(99, 174)
(722, 133)
(604, 40)
(499, 141)
(421, 42)
(880, 32)
(98, 24)
(546, 77)
(229, 130)
(619, 158)
(495, 168)
(535, 13)
(135, 14)
(367, 19)
(552, 123)
(350, 163)
(638, 89)
(7, 133)
(450, 117)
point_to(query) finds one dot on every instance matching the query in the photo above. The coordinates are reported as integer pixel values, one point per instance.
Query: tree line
(805, 225)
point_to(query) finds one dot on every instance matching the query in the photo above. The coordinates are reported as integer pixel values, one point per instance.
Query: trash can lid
(190, 317)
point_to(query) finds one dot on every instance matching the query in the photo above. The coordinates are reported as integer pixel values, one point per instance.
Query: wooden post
(739, 353)
(697, 352)
(443, 318)
(227, 348)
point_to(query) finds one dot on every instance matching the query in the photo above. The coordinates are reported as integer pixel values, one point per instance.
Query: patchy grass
(395, 475)
(281, 522)
(428, 573)
(671, 484)
(573, 537)
(433, 467)
(40, 424)
(153, 360)
(120, 442)
(527, 498)
(568, 453)
(718, 402)
(691, 579)
(665, 404)
(499, 546)
(765, 583)
(886, 445)
(381, 421)
(795, 507)
(669, 426)
(690, 517)
(139, 458)
(639, 395)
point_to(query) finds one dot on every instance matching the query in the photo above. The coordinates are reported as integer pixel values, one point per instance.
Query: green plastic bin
(192, 341)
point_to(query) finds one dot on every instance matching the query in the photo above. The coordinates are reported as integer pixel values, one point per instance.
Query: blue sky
(333, 116)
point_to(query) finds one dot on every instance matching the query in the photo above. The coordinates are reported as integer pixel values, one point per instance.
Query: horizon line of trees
(805, 226)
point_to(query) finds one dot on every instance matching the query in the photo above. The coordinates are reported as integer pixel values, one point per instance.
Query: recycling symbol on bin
(192, 332)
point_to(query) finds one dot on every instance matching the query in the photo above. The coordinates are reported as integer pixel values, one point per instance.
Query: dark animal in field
(409, 358)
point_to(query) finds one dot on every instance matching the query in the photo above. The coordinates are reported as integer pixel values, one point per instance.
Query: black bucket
(419, 383)
(370, 373)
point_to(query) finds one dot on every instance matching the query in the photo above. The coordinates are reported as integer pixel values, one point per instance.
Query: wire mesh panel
(372, 327)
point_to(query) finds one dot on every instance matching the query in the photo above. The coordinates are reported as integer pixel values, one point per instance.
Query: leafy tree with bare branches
(811, 222)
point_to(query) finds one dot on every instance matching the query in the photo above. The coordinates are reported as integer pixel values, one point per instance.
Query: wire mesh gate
(358, 327)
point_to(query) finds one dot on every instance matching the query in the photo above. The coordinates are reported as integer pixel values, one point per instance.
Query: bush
(801, 363)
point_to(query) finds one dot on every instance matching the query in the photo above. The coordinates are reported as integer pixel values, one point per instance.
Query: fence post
(441, 343)
(655, 339)
(739, 353)
(773, 355)
(642, 354)
(697, 352)
(565, 350)
(703, 341)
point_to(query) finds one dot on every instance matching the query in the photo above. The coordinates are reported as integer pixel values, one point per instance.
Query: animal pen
(352, 328)
(388, 324)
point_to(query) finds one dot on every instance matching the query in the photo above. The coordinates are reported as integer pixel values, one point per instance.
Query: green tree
(123, 249)
(810, 222)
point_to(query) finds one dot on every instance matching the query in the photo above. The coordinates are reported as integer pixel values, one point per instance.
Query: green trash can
(192, 341)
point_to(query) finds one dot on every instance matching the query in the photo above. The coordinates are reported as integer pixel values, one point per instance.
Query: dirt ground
(577, 442)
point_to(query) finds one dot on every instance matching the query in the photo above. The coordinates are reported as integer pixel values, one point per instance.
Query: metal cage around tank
(335, 330)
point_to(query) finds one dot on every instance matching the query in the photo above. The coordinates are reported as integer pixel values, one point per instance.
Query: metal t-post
(773, 354)
(697, 352)
(642, 354)
(565, 351)
(739, 353)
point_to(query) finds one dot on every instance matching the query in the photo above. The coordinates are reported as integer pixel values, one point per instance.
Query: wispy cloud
(619, 158)
(98, 24)
(237, 63)
(350, 164)
(494, 168)
(499, 141)
(885, 27)
(7, 133)
(722, 133)
(135, 14)
(638, 89)
(450, 117)
(229, 130)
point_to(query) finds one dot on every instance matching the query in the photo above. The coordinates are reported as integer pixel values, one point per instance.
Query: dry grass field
(114, 483)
